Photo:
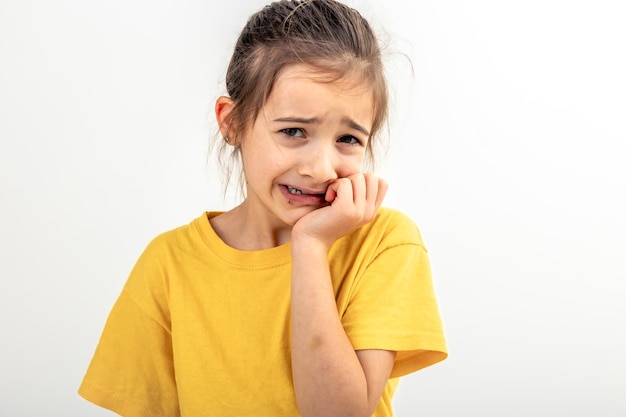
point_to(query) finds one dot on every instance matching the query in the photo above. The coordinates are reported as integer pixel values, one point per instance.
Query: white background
(507, 149)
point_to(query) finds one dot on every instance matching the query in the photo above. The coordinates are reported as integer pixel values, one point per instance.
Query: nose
(319, 162)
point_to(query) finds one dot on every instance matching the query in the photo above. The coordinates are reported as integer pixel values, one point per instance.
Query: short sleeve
(132, 372)
(394, 307)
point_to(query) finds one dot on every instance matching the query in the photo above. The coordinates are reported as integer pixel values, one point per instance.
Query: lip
(310, 198)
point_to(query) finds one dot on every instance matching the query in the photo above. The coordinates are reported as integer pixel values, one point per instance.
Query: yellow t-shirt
(202, 329)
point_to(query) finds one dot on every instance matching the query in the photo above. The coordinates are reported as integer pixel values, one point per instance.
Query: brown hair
(331, 37)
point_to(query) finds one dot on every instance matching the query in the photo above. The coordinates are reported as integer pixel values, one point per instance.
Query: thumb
(331, 193)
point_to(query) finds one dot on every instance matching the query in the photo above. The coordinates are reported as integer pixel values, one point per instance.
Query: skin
(311, 135)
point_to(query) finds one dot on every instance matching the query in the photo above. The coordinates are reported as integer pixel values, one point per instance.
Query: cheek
(349, 168)
(262, 160)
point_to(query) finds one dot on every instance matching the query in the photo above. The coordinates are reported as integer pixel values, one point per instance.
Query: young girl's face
(309, 133)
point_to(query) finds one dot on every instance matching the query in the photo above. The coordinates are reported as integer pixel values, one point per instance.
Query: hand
(354, 201)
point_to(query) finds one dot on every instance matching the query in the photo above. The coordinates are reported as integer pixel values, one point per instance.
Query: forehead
(352, 82)
(351, 79)
(307, 89)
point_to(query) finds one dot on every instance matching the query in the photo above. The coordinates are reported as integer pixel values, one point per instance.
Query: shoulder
(165, 251)
(393, 227)
(176, 239)
(390, 230)
(394, 218)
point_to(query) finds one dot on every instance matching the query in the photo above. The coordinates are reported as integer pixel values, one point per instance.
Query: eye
(294, 132)
(350, 140)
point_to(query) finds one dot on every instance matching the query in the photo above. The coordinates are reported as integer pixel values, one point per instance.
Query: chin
(292, 218)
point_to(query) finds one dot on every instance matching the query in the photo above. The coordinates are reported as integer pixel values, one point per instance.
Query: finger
(359, 189)
(371, 183)
(374, 195)
(340, 191)
(383, 186)
(331, 193)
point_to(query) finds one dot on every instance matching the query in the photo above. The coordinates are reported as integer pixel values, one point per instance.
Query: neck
(240, 230)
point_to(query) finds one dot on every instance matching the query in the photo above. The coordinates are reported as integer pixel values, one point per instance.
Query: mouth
(296, 191)
(304, 197)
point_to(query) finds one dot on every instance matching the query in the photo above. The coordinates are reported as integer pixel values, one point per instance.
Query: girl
(306, 299)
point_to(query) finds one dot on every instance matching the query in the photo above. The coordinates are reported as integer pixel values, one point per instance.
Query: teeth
(294, 190)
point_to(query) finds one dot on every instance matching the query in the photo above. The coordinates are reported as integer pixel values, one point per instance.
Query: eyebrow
(349, 122)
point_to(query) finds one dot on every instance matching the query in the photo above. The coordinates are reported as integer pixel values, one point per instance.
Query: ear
(223, 113)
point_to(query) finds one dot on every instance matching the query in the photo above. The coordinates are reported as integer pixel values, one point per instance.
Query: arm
(330, 378)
